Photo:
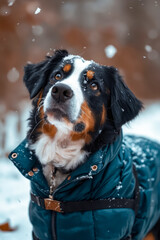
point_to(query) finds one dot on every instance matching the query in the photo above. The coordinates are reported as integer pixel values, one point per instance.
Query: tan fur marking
(87, 118)
(49, 130)
(67, 67)
(103, 118)
(39, 97)
(90, 74)
(149, 236)
(98, 94)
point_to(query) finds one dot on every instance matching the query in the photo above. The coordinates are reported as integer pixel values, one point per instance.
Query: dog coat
(107, 175)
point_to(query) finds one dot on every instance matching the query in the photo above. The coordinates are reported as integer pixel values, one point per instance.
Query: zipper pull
(51, 192)
(52, 183)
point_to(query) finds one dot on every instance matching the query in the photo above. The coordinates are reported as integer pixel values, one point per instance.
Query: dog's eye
(94, 86)
(58, 76)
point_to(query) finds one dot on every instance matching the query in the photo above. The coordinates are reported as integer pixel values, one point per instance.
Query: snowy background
(14, 188)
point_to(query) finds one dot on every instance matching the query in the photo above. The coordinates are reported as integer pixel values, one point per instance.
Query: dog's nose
(61, 92)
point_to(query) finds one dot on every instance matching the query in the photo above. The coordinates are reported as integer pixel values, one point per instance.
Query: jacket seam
(95, 237)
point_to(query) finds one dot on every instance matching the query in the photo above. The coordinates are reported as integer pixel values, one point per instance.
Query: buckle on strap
(47, 203)
(53, 205)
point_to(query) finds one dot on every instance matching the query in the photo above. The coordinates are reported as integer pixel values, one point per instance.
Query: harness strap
(89, 205)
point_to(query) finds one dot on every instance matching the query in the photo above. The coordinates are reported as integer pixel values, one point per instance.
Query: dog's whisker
(85, 114)
(37, 112)
(40, 98)
(88, 118)
(40, 106)
(43, 125)
(35, 127)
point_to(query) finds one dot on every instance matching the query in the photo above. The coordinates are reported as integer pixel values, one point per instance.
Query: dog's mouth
(55, 114)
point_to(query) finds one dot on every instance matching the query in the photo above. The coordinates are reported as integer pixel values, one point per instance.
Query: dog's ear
(124, 105)
(35, 75)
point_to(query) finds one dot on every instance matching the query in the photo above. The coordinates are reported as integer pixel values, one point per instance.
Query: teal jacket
(112, 178)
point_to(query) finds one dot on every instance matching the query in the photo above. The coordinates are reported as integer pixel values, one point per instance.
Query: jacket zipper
(53, 225)
(53, 220)
(75, 180)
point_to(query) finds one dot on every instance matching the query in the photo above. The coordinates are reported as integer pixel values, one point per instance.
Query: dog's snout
(61, 92)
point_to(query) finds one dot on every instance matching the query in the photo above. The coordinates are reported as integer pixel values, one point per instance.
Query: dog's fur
(78, 106)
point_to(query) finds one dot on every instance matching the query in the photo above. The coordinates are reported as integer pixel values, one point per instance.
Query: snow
(37, 30)
(4, 11)
(11, 2)
(37, 11)
(152, 33)
(119, 186)
(13, 75)
(153, 55)
(156, 3)
(148, 48)
(14, 202)
(14, 188)
(110, 51)
(147, 123)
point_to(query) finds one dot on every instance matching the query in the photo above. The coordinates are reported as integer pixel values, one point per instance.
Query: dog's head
(88, 99)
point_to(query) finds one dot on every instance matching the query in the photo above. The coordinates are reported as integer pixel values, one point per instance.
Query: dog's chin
(52, 115)
(59, 119)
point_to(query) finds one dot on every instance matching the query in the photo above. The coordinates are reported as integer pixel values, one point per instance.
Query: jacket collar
(98, 160)
(27, 162)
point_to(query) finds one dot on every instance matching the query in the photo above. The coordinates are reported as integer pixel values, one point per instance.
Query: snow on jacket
(113, 178)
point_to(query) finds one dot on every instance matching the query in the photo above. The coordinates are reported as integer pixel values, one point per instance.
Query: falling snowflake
(148, 48)
(13, 75)
(37, 11)
(152, 34)
(110, 51)
(11, 2)
(37, 30)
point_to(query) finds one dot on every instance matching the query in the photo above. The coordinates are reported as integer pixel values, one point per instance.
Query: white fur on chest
(60, 151)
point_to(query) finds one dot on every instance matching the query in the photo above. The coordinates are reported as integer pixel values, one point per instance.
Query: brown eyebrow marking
(90, 74)
(67, 67)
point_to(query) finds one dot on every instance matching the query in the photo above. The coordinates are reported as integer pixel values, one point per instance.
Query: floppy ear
(36, 75)
(124, 105)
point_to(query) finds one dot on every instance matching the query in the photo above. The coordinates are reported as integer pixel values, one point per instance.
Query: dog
(74, 117)
(79, 108)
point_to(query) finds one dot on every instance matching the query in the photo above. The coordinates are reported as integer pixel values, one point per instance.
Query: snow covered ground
(14, 195)
(147, 123)
(14, 188)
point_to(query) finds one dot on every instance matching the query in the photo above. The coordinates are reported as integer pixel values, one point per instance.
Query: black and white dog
(78, 107)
